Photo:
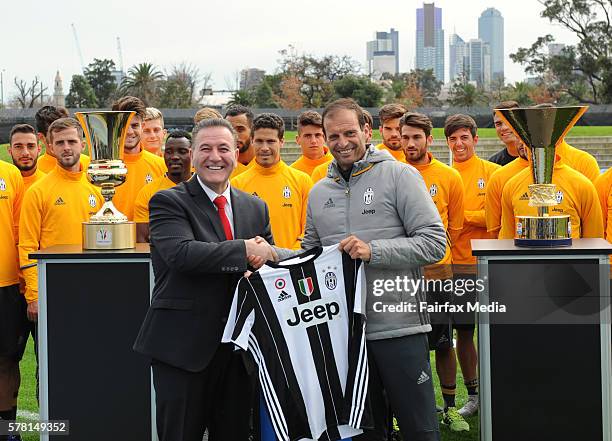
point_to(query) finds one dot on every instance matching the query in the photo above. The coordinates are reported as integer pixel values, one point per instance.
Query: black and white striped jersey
(302, 320)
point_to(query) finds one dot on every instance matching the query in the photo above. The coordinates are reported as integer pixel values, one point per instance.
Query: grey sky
(224, 36)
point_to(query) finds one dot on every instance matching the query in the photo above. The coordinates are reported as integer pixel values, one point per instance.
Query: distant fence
(183, 118)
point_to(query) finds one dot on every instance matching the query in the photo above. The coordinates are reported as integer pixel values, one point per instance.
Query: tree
(583, 71)
(242, 97)
(81, 94)
(465, 94)
(143, 81)
(28, 94)
(360, 88)
(290, 97)
(316, 74)
(416, 83)
(521, 92)
(99, 75)
(179, 88)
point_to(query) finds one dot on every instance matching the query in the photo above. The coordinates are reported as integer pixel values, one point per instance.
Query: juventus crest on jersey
(302, 320)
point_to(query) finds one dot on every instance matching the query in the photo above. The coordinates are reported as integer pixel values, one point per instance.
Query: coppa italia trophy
(105, 133)
(541, 129)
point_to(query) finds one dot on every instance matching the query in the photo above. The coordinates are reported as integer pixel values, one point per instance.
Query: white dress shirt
(212, 195)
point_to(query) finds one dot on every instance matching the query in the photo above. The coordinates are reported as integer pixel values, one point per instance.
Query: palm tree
(142, 81)
(465, 94)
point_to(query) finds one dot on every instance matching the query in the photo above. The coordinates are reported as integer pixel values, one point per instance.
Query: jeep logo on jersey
(433, 190)
(306, 286)
(481, 183)
(148, 178)
(286, 192)
(92, 201)
(330, 280)
(313, 313)
(368, 196)
(279, 283)
(559, 197)
(2, 184)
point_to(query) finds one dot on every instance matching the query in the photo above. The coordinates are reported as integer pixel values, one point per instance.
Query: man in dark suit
(203, 234)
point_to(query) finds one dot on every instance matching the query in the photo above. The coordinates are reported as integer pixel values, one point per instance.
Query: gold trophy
(105, 133)
(541, 129)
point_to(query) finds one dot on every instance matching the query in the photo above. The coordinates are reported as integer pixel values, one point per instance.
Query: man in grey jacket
(380, 211)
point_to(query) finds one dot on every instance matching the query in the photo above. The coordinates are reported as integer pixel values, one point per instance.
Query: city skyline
(235, 39)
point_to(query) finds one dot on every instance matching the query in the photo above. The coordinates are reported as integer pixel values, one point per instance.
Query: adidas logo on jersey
(60, 201)
(283, 296)
(524, 197)
(329, 204)
(423, 377)
(313, 313)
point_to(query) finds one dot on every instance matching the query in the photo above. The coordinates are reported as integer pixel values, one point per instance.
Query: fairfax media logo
(329, 204)
(2, 185)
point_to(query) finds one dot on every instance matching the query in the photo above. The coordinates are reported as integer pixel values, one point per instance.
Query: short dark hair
(239, 109)
(62, 124)
(46, 115)
(178, 134)
(21, 128)
(269, 121)
(418, 120)
(368, 118)
(131, 104)
(459, 121)
(391, 111)
(509, 104)
(214, 122)
(309, 118)
(344, 104)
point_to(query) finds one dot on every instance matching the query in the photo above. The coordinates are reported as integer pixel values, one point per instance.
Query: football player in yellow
(13, 322)
(44, 117)
(24, 150)
(283, 188)
(54, 208)
(446, 190)
(143, 167)
(177, 156)
(511, 143)
(603, 185)
(241, 119)
(311, 140)
(153, 131)
(389, 116)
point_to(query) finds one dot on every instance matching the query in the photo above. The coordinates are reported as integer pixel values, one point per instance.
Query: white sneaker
(470, 408)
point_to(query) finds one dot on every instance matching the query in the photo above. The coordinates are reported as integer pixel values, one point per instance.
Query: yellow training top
(579, 160)
(143, 167)
(11, 195)
(285, 190)
(576, 197)
(320, 171)
(497, 181)
(52, 212)
(476, 174)
(141, 206)
(397, 154)
(308, 165)
(240, 167)
(29, 180)
(46, 162)
(603, 185)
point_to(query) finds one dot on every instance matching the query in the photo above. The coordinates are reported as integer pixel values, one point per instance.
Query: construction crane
(78, 46)
(120, 54)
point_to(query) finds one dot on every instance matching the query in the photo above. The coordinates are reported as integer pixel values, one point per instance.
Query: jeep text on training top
(302, 321)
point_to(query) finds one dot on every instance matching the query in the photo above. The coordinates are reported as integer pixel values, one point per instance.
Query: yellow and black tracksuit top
(476, 174)
(446, 189)
(240, 167)
(397, 154)
(497, 181)
(11, 195)
(141, 206)
(52, 212)
(576, 197)
(285, 191)
(308, 165)
(143, 168)
(320, 171)
(46, 162)
(579, 160)
(33, 178)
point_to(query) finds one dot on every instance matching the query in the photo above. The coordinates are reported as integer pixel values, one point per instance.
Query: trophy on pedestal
(541, 129)
(105, 133)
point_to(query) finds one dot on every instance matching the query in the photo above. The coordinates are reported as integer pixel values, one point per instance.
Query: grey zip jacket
(385, 203)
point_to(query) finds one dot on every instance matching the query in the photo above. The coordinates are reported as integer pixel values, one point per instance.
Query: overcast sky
(224, 36)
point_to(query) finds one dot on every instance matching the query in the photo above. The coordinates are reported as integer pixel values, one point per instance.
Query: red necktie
(220, 202)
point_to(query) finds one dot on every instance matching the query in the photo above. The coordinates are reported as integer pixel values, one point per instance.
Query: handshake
(258, 252)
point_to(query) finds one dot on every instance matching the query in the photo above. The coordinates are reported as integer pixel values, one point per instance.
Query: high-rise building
(457, 57)
(250, 78)
(382, 54)
(59, 99)
(478, 62)
(430, 40)
(491, 31)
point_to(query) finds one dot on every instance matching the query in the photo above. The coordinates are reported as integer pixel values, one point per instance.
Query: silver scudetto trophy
(541, 130)
(105, 133)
